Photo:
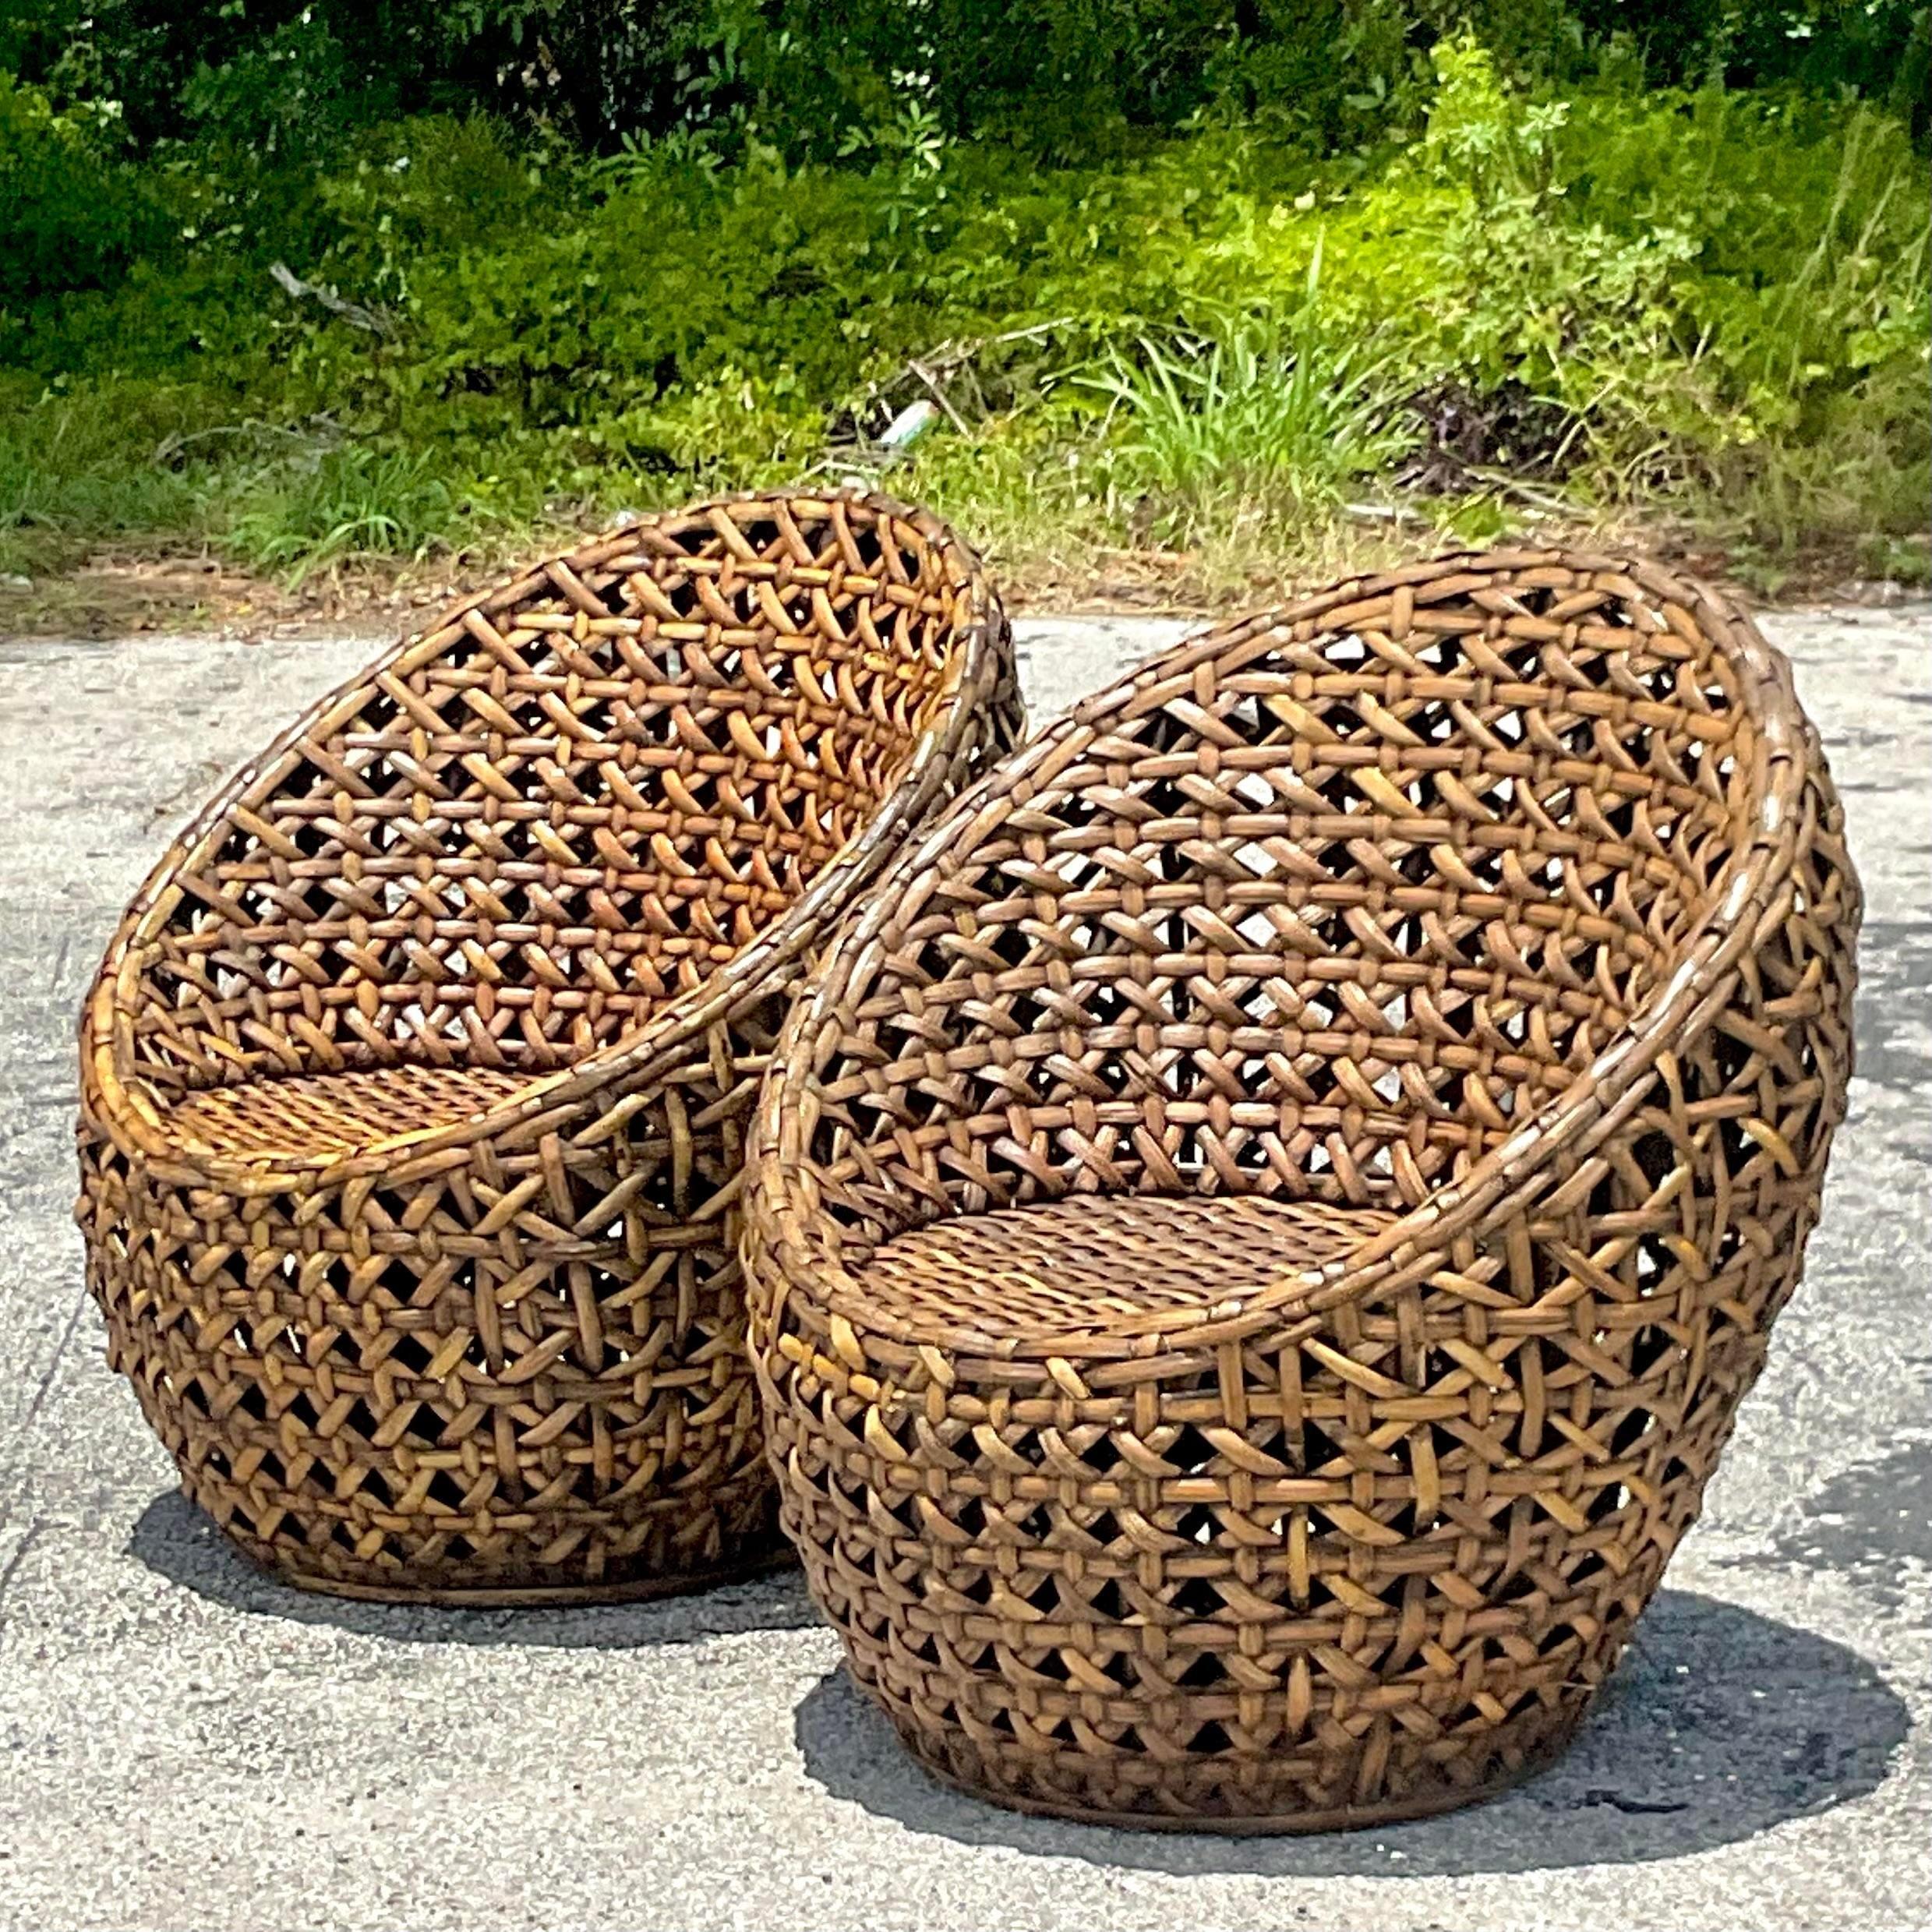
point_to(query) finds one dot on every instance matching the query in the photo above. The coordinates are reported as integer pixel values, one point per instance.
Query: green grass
(342, 506)
(1245, 428)
(76, 473)
(1213, 350)
(117, 468)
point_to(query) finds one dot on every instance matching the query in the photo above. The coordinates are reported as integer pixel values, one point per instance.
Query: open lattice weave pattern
(415, 1082)
(1257, 1239)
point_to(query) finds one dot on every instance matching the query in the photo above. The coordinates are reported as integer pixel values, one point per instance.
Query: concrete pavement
(183, 1744)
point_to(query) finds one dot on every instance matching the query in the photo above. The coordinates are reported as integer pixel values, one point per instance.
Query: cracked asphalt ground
(183, 1744)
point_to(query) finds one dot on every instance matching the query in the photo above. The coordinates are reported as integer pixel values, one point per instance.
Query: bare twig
(938, 395)
(171, 445)
(376, 321)
(1503, 484)
(949, 355)
(934, 368)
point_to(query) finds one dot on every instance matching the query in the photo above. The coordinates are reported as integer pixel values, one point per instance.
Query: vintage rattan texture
(415, 1084)
(1256, 1241)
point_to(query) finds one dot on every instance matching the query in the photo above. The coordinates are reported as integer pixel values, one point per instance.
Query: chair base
(635, 1589)
(1519, 1749)
(744, 1541)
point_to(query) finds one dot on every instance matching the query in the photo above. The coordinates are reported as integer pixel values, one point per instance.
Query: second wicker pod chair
(415, 1082)
(1256, 1243)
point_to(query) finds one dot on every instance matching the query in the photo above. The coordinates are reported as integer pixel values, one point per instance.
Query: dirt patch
(125, 593)
(116, 594)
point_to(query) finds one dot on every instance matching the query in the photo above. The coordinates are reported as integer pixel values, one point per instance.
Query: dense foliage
(1071, 75)
(311, 280)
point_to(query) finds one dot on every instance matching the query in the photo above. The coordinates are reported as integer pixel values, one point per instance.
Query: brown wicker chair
(1256, 1240)
(415, 1082)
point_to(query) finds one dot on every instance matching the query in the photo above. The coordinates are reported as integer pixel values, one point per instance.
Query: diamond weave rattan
(415, 1082)
(1256, 1241)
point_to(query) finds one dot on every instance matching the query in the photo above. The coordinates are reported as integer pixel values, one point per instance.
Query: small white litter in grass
(910, 424)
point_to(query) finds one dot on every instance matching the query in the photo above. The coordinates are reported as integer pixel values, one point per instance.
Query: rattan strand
(1494, 912)
(415, 1082)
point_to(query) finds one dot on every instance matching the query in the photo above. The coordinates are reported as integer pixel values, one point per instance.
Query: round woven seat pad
(334, 1113)
(1086, 1263)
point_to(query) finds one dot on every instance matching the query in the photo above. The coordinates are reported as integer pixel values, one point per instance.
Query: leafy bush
(1695, 296)
(69, 218)
(1072, 77)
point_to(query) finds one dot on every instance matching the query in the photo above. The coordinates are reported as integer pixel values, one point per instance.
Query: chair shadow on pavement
(176, 1540)
(1719, 1724)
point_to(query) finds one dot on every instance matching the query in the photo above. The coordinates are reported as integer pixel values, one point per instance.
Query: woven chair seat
(1127, 1267)
(1256, 1236)
(415, 1082)
(316, 1118)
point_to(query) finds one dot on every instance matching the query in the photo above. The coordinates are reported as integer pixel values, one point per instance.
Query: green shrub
(1698, 297)
(1073, 78)
(69, 217)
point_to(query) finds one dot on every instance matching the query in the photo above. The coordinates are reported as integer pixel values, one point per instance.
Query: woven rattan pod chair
(415, 1082)
(1259, 1235)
